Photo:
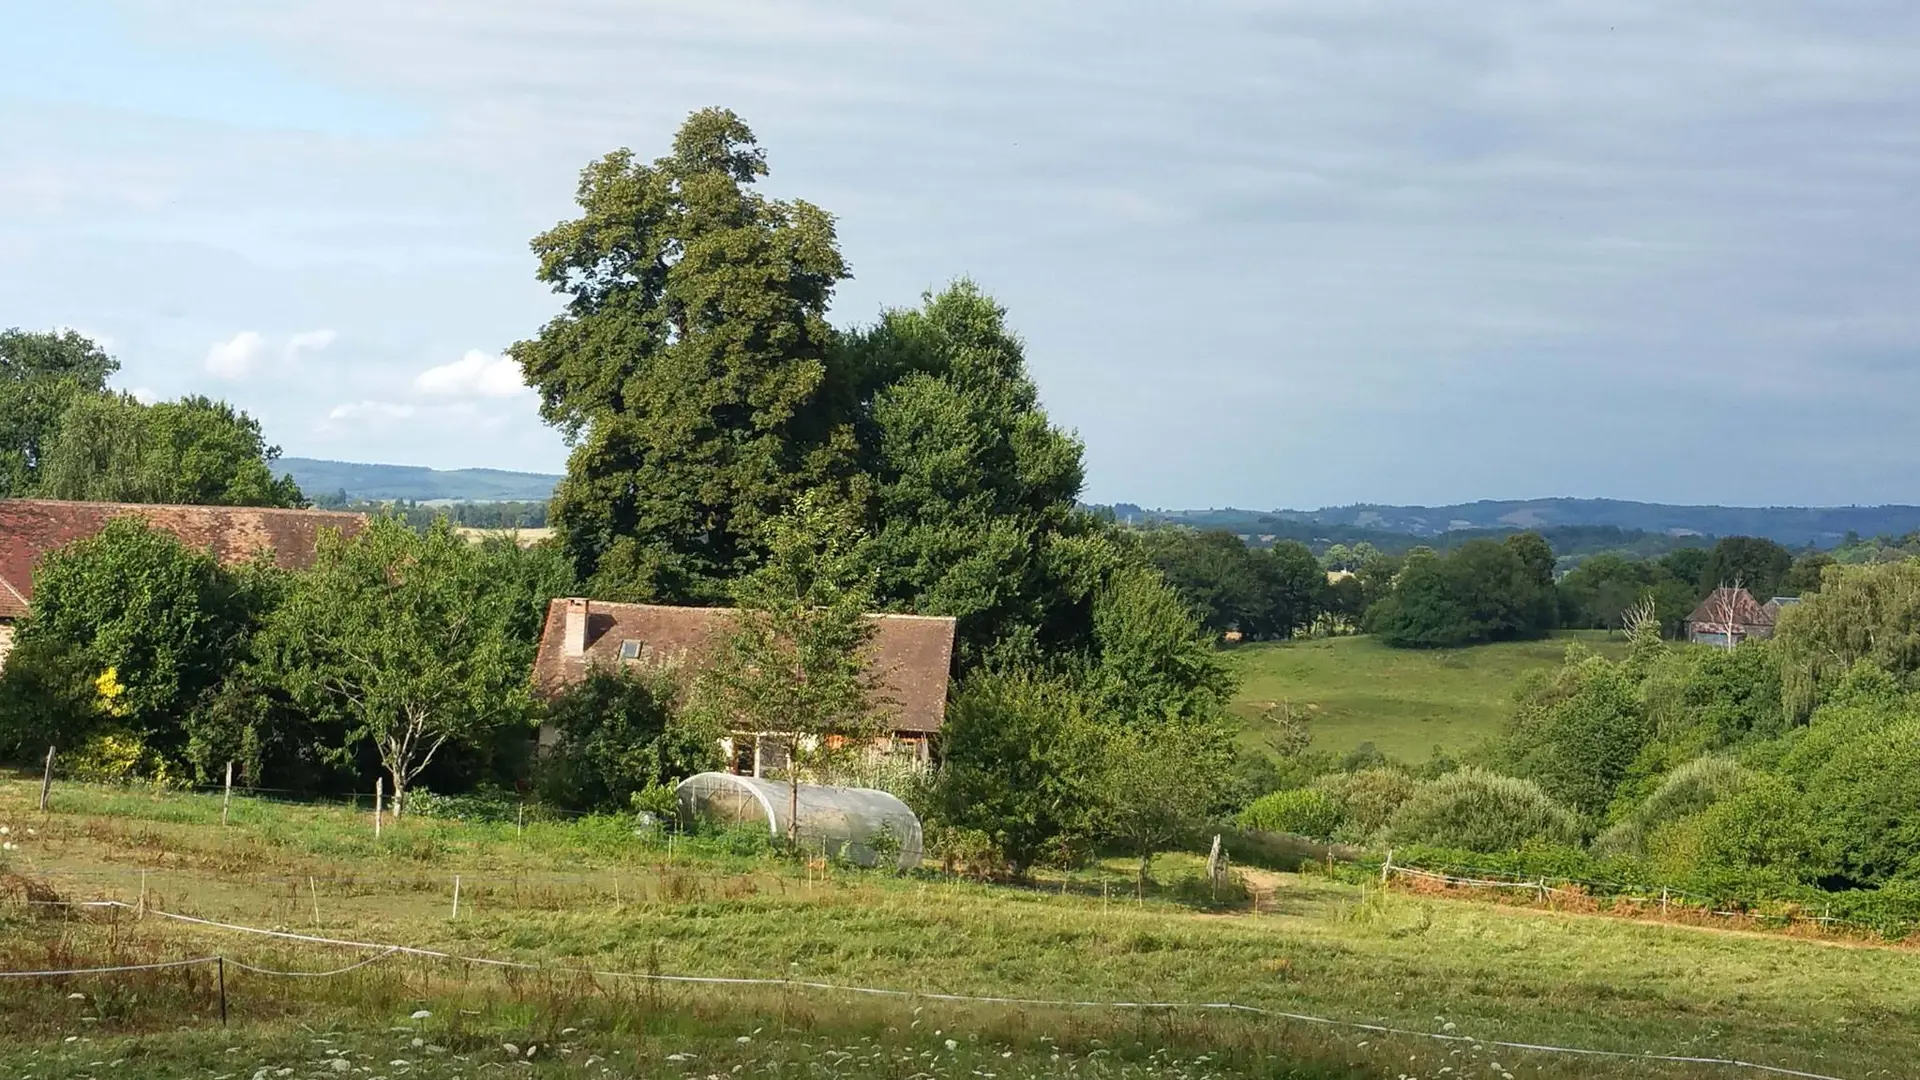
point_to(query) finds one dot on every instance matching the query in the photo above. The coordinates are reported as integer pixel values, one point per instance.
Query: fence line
(1539, 885)
(388, 950)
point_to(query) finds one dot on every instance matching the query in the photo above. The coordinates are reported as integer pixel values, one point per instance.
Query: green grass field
(1353, 690)
(592, 895)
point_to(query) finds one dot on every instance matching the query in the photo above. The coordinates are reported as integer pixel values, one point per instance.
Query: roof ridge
(216, 507)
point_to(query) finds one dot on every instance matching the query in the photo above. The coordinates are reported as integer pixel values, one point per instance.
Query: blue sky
(1284, 253)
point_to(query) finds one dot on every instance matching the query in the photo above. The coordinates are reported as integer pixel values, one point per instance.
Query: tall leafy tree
(971, 483)
(40, 376)
(111, 448)
(400, 640)
(690, 367)
(1292, 585)
(1755, 562)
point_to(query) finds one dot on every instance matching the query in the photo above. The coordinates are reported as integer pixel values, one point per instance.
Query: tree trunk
(399, 794)
(1146, 864)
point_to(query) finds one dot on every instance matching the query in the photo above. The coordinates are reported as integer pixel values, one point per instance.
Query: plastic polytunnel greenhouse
(843, 820)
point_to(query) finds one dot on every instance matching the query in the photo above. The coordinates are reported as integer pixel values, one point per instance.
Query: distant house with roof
(912, 656)
(1730, 615)
(30, 528)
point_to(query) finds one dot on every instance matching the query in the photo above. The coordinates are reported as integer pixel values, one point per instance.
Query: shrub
(1367, 799)
(616, 733)
(1303, 811)
(118, 756)
(1482, 811)
(1018, 771)
(47, 697)
(1578, 732)
(1684, 792)
(1761, 825)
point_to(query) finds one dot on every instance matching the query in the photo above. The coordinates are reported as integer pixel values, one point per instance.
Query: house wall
(6, 640)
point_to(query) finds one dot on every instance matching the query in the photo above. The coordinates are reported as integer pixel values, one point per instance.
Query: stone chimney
(576, 641)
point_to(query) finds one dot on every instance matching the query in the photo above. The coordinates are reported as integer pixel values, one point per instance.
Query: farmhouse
(1729, 616)
(29, 528)
(912, 655)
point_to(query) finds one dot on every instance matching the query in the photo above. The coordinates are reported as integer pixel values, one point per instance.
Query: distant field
(1353, 690)
(524, 537)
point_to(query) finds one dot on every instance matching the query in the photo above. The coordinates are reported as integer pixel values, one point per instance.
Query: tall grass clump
(1483, 811)
(1686, 791)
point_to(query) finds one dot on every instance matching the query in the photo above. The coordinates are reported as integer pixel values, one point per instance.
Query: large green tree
(400, 640)
(40, 376)
(690, 367)
(111, 448)
(971, 484)
(1755, 562)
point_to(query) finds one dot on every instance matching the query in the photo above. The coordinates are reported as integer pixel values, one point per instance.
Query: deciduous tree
(797, 660)
(40, 375)
(401, 639)
(690, 367)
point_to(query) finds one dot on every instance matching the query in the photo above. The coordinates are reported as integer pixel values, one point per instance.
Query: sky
(1289, 253)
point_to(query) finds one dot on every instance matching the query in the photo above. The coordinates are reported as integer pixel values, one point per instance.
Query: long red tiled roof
(29, 528)
(912, 654)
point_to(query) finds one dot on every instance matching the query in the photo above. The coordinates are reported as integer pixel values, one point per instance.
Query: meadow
(1406, 702)
(564, 898)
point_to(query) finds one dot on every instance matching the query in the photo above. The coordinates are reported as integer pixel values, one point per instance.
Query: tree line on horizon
(1482, 590)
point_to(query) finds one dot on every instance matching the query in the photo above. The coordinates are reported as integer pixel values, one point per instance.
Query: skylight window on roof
(629, 650)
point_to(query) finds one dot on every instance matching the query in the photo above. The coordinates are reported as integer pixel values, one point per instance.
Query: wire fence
(385, 951)
(1669, 899)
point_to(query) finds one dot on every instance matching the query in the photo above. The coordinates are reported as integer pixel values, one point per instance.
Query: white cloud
(477, 374)
(310, 341)
(144, 395)
(369, 411)
(235, 358)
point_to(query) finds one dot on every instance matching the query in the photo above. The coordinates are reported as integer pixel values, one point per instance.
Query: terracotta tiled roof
(912, 653)
(1746, 610)
(29, 528)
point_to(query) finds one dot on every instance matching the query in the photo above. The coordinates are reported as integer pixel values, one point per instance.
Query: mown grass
(593, 895)
(1406, 702)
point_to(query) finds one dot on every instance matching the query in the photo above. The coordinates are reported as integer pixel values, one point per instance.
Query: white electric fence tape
(842, 988)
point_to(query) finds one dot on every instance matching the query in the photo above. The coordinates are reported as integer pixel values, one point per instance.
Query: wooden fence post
(226, 800)
(46, 781)
(1386, 867)
(379, 802)
(456, 896)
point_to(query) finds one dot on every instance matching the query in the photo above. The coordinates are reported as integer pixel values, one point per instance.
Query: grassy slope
(592, 894)
(1406, 702)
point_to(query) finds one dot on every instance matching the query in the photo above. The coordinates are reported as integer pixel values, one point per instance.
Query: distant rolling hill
(1795, 526)
(365, 481)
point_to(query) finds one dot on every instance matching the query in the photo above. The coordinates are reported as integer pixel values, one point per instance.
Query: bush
(118, 756)
(1685, 791)
(47, 698)
(1018, 771)
(1303, 811)
(1578, 732)
(616, 734)
(1482, 811)
(1367, 799)
(1763, 825)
